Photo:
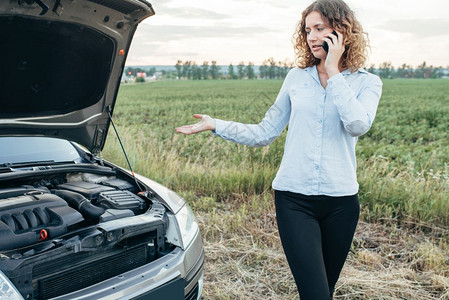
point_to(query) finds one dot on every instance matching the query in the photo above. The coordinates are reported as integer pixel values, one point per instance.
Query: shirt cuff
(339, 89)
(219, 125)
(336, 79)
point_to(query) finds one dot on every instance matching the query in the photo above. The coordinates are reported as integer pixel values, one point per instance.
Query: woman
(327, 102)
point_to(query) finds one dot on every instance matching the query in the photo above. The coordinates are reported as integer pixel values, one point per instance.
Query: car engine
(30, 214)
(63, 232)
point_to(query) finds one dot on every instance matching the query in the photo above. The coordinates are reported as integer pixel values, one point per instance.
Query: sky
(234, 31)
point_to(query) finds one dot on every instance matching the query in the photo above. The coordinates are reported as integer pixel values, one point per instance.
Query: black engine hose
(89, 211)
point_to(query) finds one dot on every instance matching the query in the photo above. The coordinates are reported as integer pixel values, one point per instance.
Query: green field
(403, 171)
(403, 162)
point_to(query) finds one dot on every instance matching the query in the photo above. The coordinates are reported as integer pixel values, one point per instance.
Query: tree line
(190, 70)
(271, 69)
(386, 70)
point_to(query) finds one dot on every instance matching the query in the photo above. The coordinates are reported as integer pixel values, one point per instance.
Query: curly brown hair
(340, 17)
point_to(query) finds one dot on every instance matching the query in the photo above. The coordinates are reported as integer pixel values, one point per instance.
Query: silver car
(74, 226)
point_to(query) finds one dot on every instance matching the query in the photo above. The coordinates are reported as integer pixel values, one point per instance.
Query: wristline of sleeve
(219, 125)
(340, 90)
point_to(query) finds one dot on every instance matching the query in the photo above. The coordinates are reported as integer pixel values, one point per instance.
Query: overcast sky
(231, 31)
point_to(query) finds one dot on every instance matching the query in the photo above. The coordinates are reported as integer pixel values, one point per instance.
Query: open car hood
(62, 61)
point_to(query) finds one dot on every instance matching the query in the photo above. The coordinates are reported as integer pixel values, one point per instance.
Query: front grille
(193, 294)
(92, 273)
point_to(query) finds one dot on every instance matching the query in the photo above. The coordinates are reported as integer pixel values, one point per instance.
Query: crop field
(401, 247)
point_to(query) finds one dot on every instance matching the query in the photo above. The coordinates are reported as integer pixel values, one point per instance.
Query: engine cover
(121, 200)
(33, 217)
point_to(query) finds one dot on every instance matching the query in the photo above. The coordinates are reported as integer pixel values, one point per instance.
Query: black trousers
(316, 233)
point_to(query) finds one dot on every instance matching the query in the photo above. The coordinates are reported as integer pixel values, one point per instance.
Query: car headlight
(7, 289)
(187, 224)
(182, 224)
(182, 227)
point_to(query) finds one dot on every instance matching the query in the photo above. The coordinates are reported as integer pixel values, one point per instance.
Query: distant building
(157, 75)
(125, 78)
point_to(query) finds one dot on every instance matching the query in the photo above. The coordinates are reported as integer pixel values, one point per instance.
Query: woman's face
(316, 29)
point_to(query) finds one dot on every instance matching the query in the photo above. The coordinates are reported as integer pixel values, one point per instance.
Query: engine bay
(69, 222)
(50, 208)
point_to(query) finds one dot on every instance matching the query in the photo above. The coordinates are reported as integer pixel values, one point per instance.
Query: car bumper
(177, 275)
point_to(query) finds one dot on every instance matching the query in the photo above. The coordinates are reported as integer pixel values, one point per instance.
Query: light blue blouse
(323, 126)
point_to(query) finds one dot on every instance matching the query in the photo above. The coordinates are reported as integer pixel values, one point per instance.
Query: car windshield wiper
(32, 164)
(41, 165)
(4, 169)
(56, 168)
(26, 163)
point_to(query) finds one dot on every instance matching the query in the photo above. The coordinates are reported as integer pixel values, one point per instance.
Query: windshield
(34, 149)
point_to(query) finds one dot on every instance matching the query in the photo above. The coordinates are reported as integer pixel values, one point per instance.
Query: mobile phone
(325, 45)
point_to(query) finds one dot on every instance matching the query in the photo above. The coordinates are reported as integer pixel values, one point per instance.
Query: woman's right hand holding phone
(335, 51)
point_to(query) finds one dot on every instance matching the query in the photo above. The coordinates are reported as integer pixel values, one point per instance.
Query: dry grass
(388, 262)
(245, 260)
